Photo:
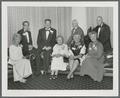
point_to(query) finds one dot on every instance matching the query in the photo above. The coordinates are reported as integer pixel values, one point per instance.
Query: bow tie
(99, 26)
(47, 29)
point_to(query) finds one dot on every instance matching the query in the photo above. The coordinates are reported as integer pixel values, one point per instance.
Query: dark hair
(89, 30)
(48, 20)
(92, 33)
(100, 17)
(25, 22)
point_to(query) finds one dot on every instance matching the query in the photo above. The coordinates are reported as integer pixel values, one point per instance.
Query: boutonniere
(73, 48)
(63, 47)
(51, 31)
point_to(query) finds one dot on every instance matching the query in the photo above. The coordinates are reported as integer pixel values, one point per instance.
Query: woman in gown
(93, 62)
(60, 50)
(77, 51)
(21, 66)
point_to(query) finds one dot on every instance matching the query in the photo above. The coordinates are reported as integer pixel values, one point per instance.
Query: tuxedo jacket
(42, 41)
(24, 41)
(77, 31)
(104, 36)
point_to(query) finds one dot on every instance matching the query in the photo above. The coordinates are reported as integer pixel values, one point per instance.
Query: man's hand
(30, 47)
(44, 48)
(48, 48)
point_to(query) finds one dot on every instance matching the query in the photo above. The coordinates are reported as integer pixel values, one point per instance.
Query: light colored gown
(21, 67)
(58, 62)
(93, 62)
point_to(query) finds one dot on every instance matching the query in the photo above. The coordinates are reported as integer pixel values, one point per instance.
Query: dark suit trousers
(46, 60)
(38, 63)
(25, 50)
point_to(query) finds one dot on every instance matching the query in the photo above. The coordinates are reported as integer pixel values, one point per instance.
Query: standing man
(46, 40)
(103, 32)
(26, 39)
(76, 30)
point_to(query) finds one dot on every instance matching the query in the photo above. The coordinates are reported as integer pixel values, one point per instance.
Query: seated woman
(93, 62)
(21, 66)
(60, 51)
(77, 51)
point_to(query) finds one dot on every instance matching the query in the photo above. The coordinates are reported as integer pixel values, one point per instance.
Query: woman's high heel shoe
(70, 77)
(23, 80)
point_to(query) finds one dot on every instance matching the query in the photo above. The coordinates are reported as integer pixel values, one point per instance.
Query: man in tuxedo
(103, 31)
(76, 30)
(45, 41)
(26, 39)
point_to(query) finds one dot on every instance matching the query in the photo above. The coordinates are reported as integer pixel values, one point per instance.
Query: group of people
(54, 54)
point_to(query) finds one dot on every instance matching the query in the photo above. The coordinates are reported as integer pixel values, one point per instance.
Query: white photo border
(35, 93)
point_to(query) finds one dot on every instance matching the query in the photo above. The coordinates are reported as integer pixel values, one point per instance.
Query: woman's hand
(72, 57)
(87, 56)
(79, 56)
(58, 55)
(64, 55)
(24, 57)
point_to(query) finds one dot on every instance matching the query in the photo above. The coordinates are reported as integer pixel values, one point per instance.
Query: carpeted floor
(78, 83)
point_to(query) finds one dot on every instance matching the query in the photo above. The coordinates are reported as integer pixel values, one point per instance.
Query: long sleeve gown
(21, 67)
(93, 63)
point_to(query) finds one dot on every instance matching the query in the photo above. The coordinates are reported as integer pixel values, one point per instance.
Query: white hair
(74, 20)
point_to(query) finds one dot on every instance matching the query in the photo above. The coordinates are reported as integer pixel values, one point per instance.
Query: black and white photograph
(60, 48)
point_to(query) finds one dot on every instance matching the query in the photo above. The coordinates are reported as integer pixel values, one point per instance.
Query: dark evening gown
(78, 49)
(93, 63)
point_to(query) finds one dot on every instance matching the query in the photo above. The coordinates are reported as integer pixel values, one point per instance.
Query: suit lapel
(101, 31)
(44, 34)
(23, 36)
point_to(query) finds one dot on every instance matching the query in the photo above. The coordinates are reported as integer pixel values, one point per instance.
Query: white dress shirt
(99, 31)
(47, 34)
